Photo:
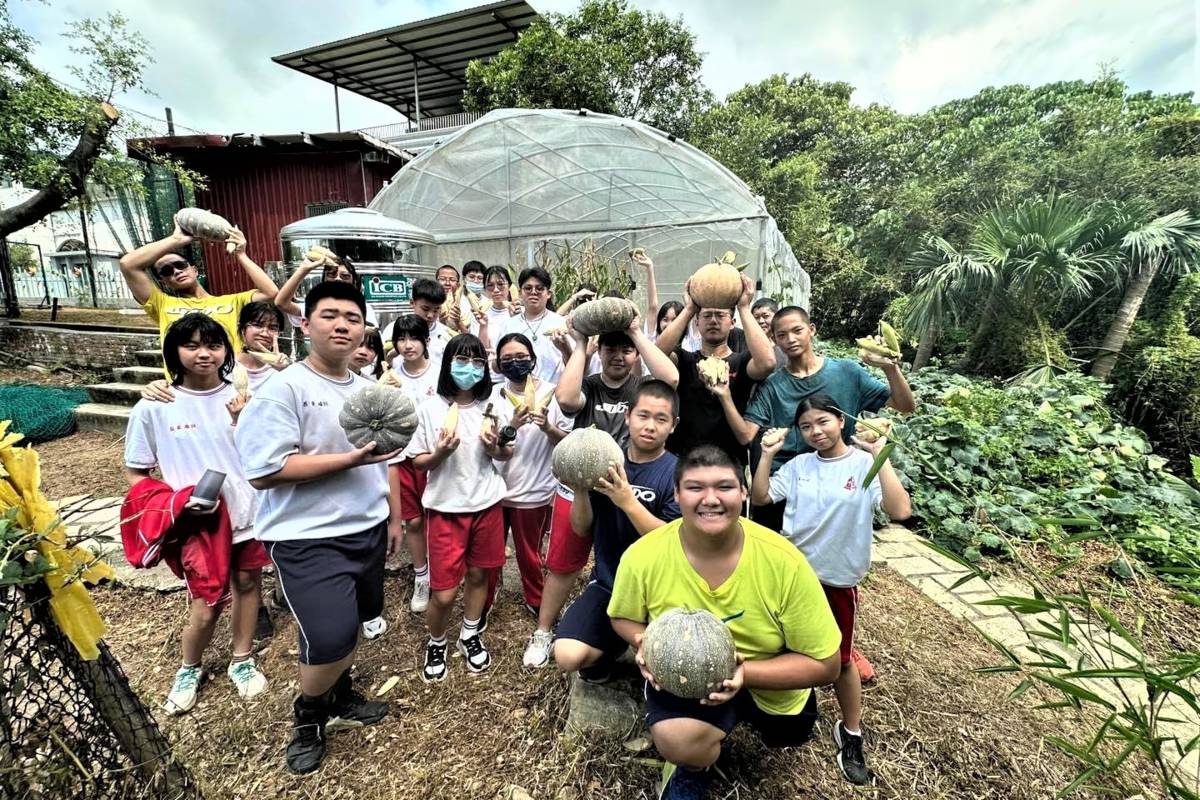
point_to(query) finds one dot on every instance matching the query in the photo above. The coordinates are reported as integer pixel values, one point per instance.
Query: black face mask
(516, 371)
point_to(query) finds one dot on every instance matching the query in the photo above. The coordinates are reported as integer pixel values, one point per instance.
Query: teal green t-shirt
(847, 382)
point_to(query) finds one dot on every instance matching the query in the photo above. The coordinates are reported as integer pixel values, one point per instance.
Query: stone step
(149, 358)
(102, 417)
(138, 375)
(118, 394)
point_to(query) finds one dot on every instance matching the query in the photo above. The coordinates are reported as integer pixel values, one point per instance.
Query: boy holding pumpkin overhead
(765, 592)
(323, 514)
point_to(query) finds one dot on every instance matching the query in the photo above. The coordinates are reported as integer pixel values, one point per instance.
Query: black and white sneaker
(349, 709)
(435, 663)
(483, 620)
(306, 750)
(850, 758)
(476, 655)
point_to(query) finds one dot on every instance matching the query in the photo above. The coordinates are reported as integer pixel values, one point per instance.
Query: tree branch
(69, 178)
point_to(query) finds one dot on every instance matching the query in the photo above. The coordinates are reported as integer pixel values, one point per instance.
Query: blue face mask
(474, 288)
(465, 376)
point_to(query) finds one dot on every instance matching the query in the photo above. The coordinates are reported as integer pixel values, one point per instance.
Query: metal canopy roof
(420, 68)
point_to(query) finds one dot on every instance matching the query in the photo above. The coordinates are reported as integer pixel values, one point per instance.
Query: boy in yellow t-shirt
(761, 587)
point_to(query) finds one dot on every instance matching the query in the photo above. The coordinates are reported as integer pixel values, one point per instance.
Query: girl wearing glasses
(464, 489)
(537, 323)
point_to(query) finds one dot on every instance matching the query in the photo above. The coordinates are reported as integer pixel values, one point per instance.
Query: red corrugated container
(261, 184)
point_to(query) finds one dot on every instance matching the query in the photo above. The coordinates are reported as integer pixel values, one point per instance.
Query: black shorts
(331, 585)
(587, 621)
(775, 730)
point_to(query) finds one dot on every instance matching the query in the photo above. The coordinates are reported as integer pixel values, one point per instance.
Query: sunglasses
(170, 268)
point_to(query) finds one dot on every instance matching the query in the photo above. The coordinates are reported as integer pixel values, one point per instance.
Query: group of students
(667, 528)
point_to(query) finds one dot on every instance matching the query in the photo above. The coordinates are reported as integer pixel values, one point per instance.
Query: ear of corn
(474, 301)
(773, 436)
(241, 381)
(531, 398)
(451, 423)
(875, 348)
(512, 294)
(489, 421)
(870, 430)
(890, 337)
(273, 359)
(713, 370)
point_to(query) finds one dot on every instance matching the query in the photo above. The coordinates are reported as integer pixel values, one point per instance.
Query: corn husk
(241, 381)
(450, 424)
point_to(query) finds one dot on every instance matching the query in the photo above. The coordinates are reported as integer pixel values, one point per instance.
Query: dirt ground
(935, 729)
(85, 462)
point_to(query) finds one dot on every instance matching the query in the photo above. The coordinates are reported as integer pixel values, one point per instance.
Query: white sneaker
(537, 652)
(374, 628)
(183, 693)
(420, 598)
(247, 677)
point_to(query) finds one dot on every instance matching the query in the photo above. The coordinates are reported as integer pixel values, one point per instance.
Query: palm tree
(1171, 244)
(1024, 258)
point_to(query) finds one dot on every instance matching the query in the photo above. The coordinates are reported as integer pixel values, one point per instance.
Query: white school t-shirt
(259, 376)
(467, 480)
(549, 358)
(828, 514)
(439, 336)
(418, 388)
(527, 475)
(187, 437)
(297, 412)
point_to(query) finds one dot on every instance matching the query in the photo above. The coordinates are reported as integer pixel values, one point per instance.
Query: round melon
(717, 285)
(689, 653)
(583, 457)
(605, 315)
(380, 414)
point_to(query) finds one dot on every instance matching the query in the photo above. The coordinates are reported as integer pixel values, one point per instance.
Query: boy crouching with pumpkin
(763, 589)
(323, 515)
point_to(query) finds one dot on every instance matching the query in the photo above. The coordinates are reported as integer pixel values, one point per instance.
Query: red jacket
(197, 547)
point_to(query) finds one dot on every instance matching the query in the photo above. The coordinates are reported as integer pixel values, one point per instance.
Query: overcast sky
(213, 59)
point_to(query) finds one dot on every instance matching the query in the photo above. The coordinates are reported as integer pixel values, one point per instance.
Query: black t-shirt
(701, 419)
(605, 406)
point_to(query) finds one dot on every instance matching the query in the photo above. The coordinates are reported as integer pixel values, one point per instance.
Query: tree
(607, 58)
(1170, 243)
(56, 138)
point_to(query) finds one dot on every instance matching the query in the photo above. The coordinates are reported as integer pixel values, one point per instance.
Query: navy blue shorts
(331, 585)
(586, 620)
(775, 730)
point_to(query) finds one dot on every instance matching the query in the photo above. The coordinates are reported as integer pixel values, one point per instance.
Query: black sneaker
(850, 758)
(349, 709)
(435, 663)
(476, 655)
(264, 628)
(684, 784)
(483, 621)
(306, 750)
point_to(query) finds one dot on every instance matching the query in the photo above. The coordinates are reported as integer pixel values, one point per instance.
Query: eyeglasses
(497, 285)
(272, 327)
(169, 269)
(464, 361)
(508, 362)
(534, 288)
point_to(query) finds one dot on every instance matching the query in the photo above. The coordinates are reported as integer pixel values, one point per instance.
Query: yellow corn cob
(774, 435)
(273, 359)
(241, 381)
(451, 423)
(513, 294)
(875, 348)
(870, 431)
(531, 398)
(489, 421)
(389, 377)
(890, 337)
(474, 301)
(713, 370)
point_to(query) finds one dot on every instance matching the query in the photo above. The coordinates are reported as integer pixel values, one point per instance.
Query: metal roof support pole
(417, 93)
(337, 107)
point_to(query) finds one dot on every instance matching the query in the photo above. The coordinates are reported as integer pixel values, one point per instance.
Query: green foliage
(985, 462)
(22, 258)
(606, 57)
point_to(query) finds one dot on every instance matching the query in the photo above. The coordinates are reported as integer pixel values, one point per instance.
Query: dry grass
(935, 728)
(88, 462)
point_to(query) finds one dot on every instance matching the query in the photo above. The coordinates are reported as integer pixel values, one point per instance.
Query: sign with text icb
(388, 288)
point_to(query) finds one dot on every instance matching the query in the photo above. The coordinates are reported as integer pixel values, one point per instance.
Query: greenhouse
(575, 191)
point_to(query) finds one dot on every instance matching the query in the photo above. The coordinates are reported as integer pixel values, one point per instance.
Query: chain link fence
(71, 728)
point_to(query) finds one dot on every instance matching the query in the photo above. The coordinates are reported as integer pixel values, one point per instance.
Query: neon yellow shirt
(772, 602)
(165, 309)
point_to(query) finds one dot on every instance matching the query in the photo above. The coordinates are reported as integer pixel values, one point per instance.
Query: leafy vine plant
(1079, 657)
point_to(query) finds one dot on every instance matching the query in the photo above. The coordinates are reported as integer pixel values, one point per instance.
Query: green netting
(41, 413)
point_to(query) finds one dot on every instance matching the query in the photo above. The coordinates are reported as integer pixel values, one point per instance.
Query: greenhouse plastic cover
(518, 176)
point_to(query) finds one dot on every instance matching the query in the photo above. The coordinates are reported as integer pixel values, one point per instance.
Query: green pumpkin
(583, 457)
(203, 224)
(604, 315)
(689, 653)
(381, 414)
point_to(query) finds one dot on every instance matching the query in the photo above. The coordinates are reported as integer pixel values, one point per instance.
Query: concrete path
(96, 521)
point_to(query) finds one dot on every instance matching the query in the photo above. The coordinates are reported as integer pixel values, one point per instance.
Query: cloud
(212, 60)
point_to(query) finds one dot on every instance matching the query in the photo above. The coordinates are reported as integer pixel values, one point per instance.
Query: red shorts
(568, 551)
(249, 555)
(458, 541)
(412, 486)
(843, 601)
